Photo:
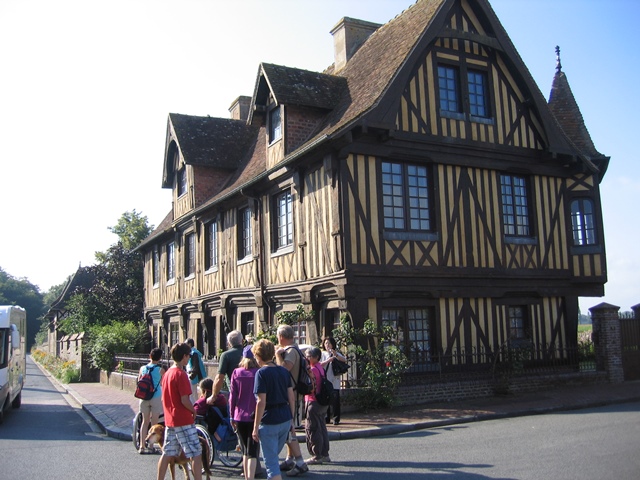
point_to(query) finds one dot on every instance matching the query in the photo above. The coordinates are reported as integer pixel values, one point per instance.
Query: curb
(108, 427)
(102, 420)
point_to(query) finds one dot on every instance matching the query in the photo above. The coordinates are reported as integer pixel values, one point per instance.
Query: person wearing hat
(242, 407)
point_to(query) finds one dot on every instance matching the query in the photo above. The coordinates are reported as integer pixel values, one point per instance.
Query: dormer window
(275, 125)
(182, 181)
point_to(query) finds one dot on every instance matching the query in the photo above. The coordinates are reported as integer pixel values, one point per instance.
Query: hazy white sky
(86, 87)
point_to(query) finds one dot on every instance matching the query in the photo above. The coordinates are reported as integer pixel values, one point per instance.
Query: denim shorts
(272, 440)
(183, 438)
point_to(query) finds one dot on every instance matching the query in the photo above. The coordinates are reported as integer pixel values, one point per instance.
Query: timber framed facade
(422, 181)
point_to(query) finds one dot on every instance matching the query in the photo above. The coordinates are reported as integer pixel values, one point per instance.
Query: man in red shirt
(179, 415)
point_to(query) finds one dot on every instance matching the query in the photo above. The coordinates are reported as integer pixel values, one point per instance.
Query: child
(206, 411)
(181, 433)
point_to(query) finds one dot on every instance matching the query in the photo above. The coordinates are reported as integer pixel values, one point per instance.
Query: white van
(13, 360)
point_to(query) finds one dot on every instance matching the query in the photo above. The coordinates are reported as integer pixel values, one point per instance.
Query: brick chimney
(239, 109)
(348, 35)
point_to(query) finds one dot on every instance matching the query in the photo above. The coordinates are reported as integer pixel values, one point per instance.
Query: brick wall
(607, 340)
(301, 123)
(461, 390)
(207, 182)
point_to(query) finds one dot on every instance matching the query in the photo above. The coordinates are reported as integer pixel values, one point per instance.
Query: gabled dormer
(201, 155)
(291, 103)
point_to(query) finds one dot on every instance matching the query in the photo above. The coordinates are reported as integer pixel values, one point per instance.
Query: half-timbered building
(422, 181)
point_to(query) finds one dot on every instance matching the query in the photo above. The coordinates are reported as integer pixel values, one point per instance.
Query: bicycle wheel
(231, 457)
(203, 433)
(135, 431)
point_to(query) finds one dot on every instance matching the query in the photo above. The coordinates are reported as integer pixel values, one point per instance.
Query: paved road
(49, 439)
(592, 444)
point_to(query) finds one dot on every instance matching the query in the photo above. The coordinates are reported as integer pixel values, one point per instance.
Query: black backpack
(304, 383)
(326, 391)
(145, 387)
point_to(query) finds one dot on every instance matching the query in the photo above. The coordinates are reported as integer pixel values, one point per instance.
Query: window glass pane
(212, 245)
(583, 222)
(405, 197)
(190, 255)
(448, 88)
(515, 210)
(245, 233)
(171, 265)
(477, 82)
(517, 323)
(284, 220)
(275, 125)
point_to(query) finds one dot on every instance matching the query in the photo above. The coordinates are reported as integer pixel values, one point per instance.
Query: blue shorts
(181, 438)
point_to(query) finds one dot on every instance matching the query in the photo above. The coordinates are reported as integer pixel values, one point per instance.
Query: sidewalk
(114, 409)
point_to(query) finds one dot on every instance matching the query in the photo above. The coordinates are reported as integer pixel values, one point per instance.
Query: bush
(380, 360)
(107, 340)
(64, 370)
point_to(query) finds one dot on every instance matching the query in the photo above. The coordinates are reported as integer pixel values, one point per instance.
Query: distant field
(584, 328)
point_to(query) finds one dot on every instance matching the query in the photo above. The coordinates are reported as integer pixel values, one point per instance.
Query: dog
(156, 435)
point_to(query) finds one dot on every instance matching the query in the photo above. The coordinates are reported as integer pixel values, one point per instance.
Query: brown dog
(156, 435)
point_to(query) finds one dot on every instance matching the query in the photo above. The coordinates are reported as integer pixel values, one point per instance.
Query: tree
(19, 291)
(132, 228)
(116, 294)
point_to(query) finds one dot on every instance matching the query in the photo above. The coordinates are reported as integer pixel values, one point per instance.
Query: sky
(86, 88)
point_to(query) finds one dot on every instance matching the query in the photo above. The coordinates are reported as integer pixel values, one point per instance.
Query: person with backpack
(316, 410)
(151, 409)
(195, 369)
(288, 355)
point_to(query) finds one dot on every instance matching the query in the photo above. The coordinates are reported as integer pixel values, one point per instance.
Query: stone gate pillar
(607, 340)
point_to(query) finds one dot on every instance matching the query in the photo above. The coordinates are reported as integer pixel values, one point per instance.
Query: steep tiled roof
(373, 67)
(293, 86)
(566, 111)
(83, 278)
(214, 142)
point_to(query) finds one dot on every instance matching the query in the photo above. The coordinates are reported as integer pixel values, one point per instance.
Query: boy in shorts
(179, 415)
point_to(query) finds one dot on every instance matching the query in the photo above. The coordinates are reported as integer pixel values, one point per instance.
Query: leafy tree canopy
(19, 291)
(132, 228)
(116, 293)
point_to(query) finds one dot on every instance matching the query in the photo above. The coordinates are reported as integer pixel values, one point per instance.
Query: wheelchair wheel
(203, 433)
(232, 457)
(135, 432)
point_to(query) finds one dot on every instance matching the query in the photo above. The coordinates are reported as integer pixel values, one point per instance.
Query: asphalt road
(49, 438)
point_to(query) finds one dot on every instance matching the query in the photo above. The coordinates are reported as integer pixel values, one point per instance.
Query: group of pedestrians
(263, 404)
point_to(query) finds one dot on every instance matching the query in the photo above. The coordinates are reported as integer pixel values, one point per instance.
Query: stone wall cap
(604, 306)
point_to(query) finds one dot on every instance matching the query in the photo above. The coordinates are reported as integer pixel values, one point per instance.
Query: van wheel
(17, 401)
